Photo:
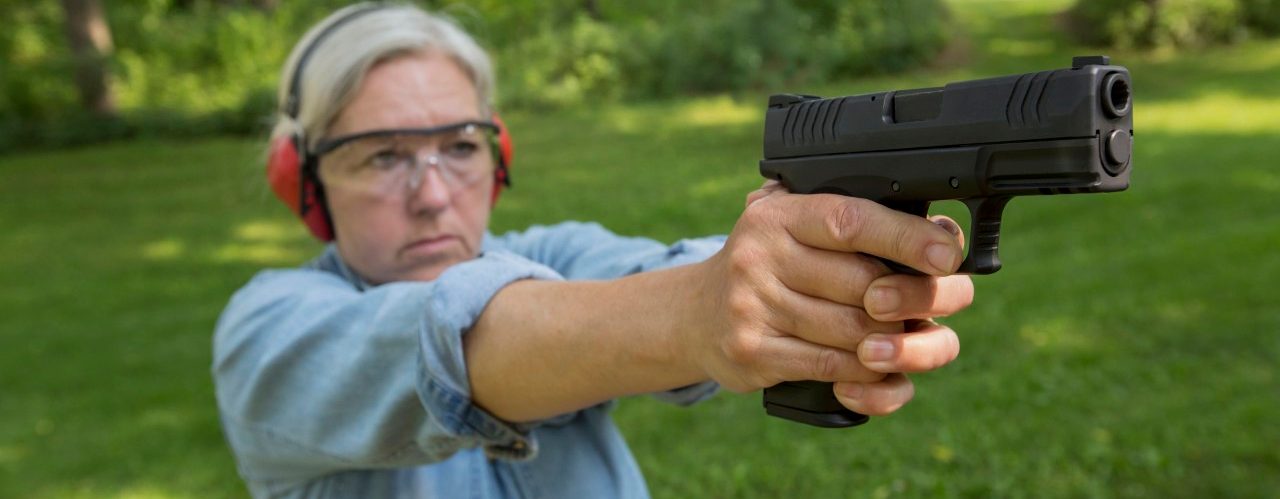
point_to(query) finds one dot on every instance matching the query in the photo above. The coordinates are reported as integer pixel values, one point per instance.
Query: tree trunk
(592, 7)
(90, 40)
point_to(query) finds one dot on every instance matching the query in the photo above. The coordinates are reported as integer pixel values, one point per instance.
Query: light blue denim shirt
(330, 387)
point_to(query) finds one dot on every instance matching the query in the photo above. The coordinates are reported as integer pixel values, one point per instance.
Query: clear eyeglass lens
(396, 163)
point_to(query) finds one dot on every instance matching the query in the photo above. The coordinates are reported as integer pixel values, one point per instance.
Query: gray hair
(338, 65)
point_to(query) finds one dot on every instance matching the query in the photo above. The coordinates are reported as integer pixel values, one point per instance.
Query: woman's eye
(386, 159)
(461, 148)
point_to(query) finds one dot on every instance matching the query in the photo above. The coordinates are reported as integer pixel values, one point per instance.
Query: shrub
(1263, 15)
(183, 67)
(1171, 23)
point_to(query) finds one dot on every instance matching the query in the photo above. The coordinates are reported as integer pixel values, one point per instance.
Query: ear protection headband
(291, 168)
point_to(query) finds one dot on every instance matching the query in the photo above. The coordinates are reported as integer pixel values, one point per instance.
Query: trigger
(984, 244)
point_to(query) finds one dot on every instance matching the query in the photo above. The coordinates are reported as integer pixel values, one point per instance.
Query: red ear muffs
(295, 188)
(506, 151)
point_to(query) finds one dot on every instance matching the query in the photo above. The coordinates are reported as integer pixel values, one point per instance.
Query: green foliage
(200, 66)
(663, 49)
(1127, 349)
(559, 67)
(1263, 15)
(1172, 23)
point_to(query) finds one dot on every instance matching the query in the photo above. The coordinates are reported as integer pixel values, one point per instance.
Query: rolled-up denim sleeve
(586, 250)
(313, 375)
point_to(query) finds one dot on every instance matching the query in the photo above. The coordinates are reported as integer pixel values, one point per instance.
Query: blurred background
(1129, 347)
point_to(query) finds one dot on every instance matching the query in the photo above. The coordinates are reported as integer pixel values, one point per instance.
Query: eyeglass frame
(326, 146)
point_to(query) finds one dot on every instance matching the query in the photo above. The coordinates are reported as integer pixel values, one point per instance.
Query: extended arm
(784, 300)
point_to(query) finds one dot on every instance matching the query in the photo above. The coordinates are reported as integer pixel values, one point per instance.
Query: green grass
(1129, 347)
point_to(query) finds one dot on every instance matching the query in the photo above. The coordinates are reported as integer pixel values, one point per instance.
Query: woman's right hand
(795, 294)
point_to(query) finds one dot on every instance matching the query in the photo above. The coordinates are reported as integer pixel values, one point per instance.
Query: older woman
(420, 356)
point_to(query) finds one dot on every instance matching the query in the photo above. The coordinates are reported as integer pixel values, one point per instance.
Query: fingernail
(948, 225)
(942, 257)
(875, 349)
(851, 390)
(883, 300)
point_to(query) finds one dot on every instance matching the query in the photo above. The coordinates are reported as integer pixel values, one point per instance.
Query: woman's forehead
(415, 90)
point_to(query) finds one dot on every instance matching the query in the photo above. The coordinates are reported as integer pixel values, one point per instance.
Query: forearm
(544, 348)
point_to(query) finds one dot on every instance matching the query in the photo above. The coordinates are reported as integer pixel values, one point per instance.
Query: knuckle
(847, 219)
(827, 364)
(759, 212)
(745, 259)
(906, 242)
(742, 306)
(742, 349)
(738, 385)
(888, 399)
(858, 320)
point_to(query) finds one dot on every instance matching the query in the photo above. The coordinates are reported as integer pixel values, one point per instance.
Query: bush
(182, 67)
(1171, 23)
(665, 49)
(1263, 15)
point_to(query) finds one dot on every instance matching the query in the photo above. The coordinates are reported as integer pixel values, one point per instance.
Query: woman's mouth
(431, 245)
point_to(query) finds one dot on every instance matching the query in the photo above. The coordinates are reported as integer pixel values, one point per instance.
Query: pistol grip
(810, 402)
(814, 402)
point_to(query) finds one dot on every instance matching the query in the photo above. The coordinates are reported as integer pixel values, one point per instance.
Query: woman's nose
(431, 191)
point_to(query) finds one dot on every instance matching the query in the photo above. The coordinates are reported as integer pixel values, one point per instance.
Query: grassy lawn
(1128, 348)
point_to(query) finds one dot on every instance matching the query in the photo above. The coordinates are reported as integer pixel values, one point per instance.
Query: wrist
(692, 306)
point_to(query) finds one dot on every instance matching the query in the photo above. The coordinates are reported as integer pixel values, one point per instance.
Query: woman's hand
(796, 294)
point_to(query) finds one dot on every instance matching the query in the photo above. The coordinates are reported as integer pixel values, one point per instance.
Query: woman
(420, 356)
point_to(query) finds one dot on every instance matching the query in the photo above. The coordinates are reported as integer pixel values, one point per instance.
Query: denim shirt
(329, 387)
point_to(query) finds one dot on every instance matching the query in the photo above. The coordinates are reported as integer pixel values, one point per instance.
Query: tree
(90, 39)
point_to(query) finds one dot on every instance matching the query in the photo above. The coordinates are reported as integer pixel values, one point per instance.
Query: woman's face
(412, 232)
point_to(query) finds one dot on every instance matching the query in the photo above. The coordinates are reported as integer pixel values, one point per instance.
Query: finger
(823, 322)
(925, 347)
(842, 223)
(793, 359)
(876, 399)
(950, 225)
(899, 297)
(830, 275)
(770, 186)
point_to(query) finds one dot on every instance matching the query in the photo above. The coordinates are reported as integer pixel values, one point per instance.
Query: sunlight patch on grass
(718, 111)
(1267, 181)
(164, 249)
(1181, 312)
(943, 453)
(264, 230)
(261, 242)
(256, 253)
(1020, 48)
(1057, 334)
(166, 418)
(624, 119)
(11, 455)
(1249, 57)
(1210, 113)
(149, 492)
(715, 188)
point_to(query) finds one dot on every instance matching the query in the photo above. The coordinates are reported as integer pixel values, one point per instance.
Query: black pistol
(1063, 131)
